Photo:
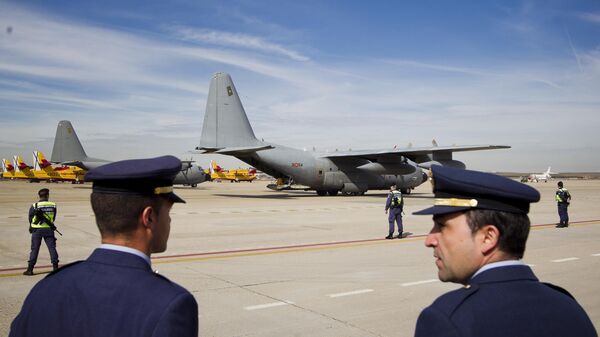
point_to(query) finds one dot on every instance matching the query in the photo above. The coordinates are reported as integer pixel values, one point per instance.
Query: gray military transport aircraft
(68, 150)
(226, 130)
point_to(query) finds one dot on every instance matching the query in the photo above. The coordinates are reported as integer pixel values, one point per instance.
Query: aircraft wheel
(332, 192)
(321, 193)
(194, 185)
(406, 191)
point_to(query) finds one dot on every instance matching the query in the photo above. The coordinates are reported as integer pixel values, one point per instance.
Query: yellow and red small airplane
(18, 169)
(43, 170)
(218, 173)
(57, 173)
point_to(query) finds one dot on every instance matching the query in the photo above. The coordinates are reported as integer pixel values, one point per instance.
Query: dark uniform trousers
(563, 213)
(395, 215)
(111, 293)
(503, 302)
(37, 235)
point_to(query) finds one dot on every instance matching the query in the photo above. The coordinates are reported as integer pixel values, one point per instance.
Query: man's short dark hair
(513, 228)
(119, 213)
(44, 192)
(560, 184)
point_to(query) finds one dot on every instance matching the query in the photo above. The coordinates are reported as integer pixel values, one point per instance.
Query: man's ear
(147, 217)
(490, 238)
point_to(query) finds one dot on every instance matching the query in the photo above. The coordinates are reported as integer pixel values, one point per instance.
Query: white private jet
(540, 177)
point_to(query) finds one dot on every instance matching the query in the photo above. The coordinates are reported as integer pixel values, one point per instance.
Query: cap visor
(435, 210)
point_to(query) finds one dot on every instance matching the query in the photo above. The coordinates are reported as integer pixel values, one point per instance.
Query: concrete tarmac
(265, 263)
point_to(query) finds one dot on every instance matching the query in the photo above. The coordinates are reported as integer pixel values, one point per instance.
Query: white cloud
(590, 17)
(236, 40)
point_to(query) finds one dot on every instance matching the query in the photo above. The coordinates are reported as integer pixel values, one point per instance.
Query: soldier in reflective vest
(394, 204)
(563, 199)
(41, 229)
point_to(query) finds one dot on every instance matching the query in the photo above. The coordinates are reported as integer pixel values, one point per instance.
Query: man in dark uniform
(478, 238)
(114, 292)
(41, 226)
(394, 204)
(563, 199)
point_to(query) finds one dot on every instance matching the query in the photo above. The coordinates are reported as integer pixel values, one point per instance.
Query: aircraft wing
(412, 153)
(232, 151)
(397, 160)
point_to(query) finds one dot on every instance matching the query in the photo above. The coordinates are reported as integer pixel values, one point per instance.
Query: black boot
(54, 266)
(28, 272)
(400, 235)
(390, 236)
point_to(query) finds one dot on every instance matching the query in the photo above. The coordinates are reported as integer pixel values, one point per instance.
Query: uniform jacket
(388, 202)
(505, 301)
(111, 293)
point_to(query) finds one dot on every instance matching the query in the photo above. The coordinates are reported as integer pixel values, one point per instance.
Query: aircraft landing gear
(321, 193)
(332, 192)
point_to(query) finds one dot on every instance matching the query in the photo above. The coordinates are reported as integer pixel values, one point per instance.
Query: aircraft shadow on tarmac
(281, 196)
(297, 195)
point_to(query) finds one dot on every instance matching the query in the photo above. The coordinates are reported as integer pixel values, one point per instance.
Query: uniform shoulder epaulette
(559, 289)
(64, 267)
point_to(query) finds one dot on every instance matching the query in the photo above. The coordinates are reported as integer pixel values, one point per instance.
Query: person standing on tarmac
(394, 204)
(563, 199)
(41, 226)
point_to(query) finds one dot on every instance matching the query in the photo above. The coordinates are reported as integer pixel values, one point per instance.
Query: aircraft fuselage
(325, 174)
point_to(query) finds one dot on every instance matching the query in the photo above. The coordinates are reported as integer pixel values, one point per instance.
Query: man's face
(457, 254)
(162, 228)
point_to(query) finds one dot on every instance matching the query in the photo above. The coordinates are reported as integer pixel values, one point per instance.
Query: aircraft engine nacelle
(394, 168)
(411, 180)
(448, 163)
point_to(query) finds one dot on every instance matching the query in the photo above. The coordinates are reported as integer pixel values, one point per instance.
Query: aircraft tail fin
(67, 146)
(7, 166)
(548, 171)
(215, 167)
(20, 163)
(40, 160)
(225, 122)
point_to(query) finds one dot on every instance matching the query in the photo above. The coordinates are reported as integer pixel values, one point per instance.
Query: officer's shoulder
(558, 289)
(63, 268)
(170, 284)
(452, 300)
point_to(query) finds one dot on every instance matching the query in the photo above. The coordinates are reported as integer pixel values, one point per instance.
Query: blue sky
(133, 76)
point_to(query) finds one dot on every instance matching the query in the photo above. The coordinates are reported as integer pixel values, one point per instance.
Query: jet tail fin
(225, 122)
(67, 146)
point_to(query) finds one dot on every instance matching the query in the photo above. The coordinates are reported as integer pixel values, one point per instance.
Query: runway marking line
(596, 254)
(267, 305)
(566, 259)
(284, 249)
(408, 284)
(351, 293)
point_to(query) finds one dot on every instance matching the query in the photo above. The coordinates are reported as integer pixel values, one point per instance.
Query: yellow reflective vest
(49, 209)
